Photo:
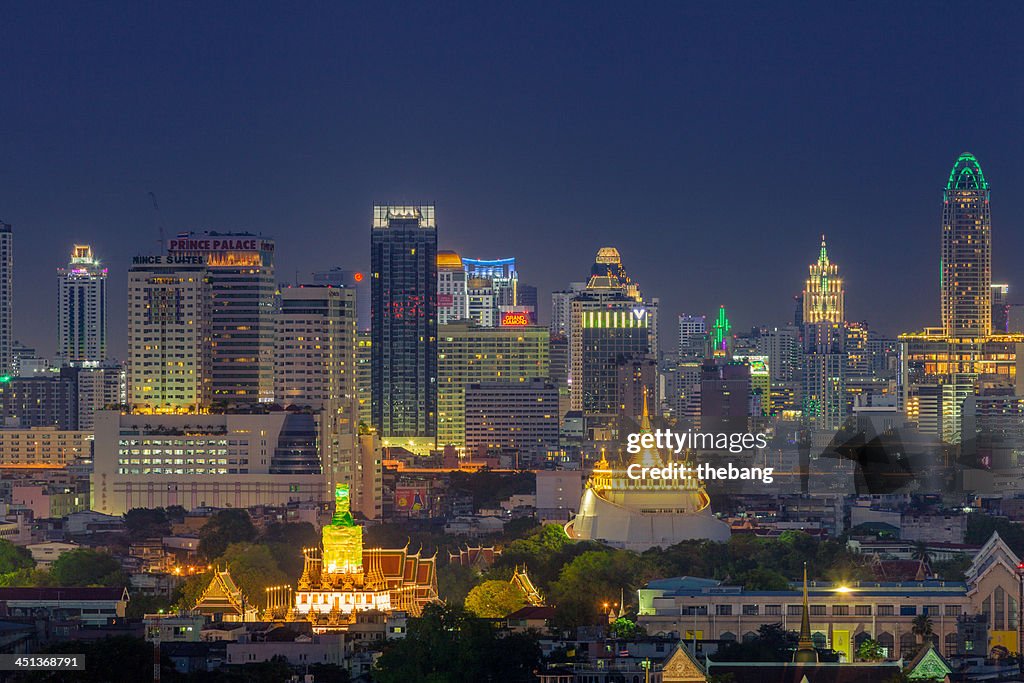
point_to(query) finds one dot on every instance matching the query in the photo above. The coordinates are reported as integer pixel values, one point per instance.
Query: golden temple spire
(645, 417)
(805, 651)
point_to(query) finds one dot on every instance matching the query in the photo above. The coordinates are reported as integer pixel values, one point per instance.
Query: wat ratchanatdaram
(638, 514)
(338, 580)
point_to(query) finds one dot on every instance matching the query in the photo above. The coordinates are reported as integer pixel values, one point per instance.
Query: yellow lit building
(43, 447)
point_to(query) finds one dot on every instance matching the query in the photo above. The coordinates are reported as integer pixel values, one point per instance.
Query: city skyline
(546, 164)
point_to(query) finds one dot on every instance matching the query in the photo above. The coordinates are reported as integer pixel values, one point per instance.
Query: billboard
(411, 499)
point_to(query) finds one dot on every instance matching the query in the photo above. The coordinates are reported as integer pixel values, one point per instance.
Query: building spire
(645, 417)
(823, 256)
(805, 652)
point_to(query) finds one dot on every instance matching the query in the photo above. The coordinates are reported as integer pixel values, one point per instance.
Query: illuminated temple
(638, 514)
(342, 577)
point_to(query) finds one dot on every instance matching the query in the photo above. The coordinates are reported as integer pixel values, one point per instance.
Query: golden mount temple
(338, 580)
(639, 514)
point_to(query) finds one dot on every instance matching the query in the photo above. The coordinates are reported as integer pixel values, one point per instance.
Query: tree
(624, 629)
(922, 627)
(143, 523)
(223, 529)
(87, 567)
(763, 579)
(14, 557)
(455, 582)
(286, 541)
(772, 644)
(254, 568)
(870, 651)
(495, 599)
(448, 645)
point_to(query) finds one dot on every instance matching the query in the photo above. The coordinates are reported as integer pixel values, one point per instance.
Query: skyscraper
(6, 297)
(693, 336)
(965, 271)
(824, 386)
(82, 309)
(503, 285)
(823, 296)
(403, 264)
(240, 269)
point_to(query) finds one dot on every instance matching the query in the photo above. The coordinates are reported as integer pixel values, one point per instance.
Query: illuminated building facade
(169, 353)
(82, 309)
(342, 578)
(823, 295)
(452, 297)
(965, 273)
(492, 282)
(315, 355)
(1000, 308)
(240, 271)
(941, 366)
(6, 297)
(693, 336)
(350, 279)
(470, 354)
(520, 419)
(225, 460)
(403, 288)
(43, 447)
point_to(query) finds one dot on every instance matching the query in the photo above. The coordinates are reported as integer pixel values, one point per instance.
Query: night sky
(712, 145)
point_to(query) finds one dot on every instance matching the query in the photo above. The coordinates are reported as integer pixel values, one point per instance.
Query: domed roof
(966, 174)
(448, 259)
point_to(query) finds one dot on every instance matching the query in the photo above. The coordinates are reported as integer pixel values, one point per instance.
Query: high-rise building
(103, 386)
(965, 271)
(44, 400)
(6, 296)
(823, 295)
(403, 288)
(469, 353)
(82, 309)
(941, 366)
(452, 297)
(481, 298)
(561, 308)
(824, 336)
(364, 376)
(169, 351)
(724, 395)
(693, 336)
(518, 419)
(527, 298)
(240, 270)
(315, 354)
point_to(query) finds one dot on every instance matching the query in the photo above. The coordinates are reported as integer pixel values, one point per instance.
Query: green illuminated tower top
(342, 516)
(721, 329)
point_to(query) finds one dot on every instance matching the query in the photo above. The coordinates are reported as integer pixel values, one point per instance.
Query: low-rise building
(89, 606)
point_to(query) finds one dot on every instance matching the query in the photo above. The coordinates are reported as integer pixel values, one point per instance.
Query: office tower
(169, 335)
(352, 279)
(6, 297)
(233, 460)
(693, 336)
(82, 309)
(469, 353)
(403, 250)
(823, 295)
(561, 308)
(1000, 308)
(965, 271)
(240, 270)
(315, 346)
(518, 420)
(782, 346)
(855, 345)
(503, 279)
(452, 297)
(610, 321)
(559, 355)
(760, 384)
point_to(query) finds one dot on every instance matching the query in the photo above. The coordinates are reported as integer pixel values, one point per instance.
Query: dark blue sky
(710, 144)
